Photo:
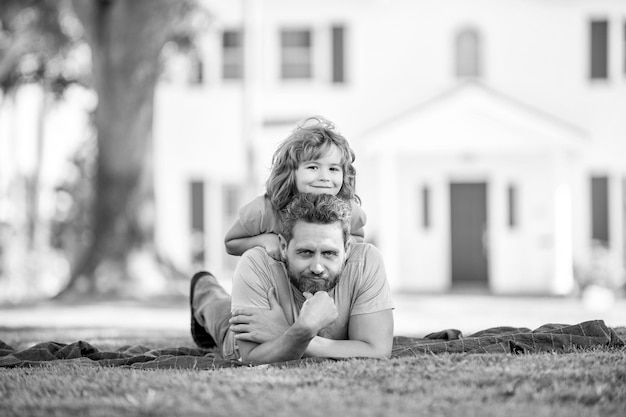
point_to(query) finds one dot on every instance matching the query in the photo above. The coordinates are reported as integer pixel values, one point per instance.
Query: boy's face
(323, 175)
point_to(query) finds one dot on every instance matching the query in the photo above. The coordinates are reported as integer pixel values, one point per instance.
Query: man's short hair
(316, 209)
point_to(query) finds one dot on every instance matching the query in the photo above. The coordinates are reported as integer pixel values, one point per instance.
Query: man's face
(315, 256)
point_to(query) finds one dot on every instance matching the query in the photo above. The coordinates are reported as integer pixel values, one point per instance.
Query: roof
(473, 118)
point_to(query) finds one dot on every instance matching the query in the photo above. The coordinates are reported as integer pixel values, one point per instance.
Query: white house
(490, 134)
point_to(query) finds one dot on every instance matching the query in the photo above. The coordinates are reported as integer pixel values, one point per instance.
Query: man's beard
(308, 282)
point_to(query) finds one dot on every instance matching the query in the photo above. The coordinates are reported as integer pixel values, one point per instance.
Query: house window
(197, 222)
(199, 72)
(468, 54)
(338, 54)
(231, 201)
(599, 49)
(512, 198)
(425, 207)
(296, 54)
(600, 210)
(232, 55)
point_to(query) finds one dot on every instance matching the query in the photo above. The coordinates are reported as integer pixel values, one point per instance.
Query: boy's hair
(307, 142)
(316, 209)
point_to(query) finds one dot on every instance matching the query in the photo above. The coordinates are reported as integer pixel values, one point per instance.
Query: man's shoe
(198, 333)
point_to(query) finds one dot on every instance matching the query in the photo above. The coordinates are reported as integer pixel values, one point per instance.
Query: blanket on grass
(547, 338)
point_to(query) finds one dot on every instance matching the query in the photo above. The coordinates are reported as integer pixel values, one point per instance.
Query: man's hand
(318, 311)
(259, 325)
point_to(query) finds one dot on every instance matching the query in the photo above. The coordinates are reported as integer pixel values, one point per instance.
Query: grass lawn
(590, 382)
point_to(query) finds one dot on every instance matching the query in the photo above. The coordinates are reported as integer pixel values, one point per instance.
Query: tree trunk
(126, 37)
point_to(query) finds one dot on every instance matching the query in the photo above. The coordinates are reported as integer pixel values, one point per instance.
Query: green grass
(590, 382)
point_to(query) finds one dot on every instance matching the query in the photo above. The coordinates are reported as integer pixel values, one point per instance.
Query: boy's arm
(237, 241)
(358, 236)
(358, 221)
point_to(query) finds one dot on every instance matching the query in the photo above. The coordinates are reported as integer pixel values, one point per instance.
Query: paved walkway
(421, 314)
(415, 315)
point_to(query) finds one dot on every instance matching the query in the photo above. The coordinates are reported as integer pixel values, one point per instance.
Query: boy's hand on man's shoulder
(271, 243)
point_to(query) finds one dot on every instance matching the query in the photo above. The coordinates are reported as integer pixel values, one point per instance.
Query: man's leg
(210, 309)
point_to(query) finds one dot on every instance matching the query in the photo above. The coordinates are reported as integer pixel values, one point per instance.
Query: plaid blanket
(548, 338)
(560, 338)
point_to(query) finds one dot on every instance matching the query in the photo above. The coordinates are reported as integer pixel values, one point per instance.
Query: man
(327, 298)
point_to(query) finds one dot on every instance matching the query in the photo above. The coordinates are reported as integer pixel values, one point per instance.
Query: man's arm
(317, 312)
(370, 335)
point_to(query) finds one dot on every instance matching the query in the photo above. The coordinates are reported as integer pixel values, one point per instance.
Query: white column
(388, 189)
(8, 144)
(616, 224)
(616, 49)
(563, 281)
(501, 278)
(213, 238)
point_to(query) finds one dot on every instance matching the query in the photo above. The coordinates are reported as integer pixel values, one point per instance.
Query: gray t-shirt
(362, 288)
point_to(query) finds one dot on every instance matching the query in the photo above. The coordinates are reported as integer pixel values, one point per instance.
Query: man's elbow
(253, 353)
(249, 359)
(254, 358)
(382, 354)
(247, 355)
(380, 350)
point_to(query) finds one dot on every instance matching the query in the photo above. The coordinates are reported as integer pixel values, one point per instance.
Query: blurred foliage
(40, 44)
(37, 40)
(108, 232)
(70, 228)
(54, 43)
(599, 270)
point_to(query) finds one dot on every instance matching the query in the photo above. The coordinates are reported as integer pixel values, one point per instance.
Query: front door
(468, 234)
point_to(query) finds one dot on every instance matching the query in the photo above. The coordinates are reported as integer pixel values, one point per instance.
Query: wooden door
(468, 234)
